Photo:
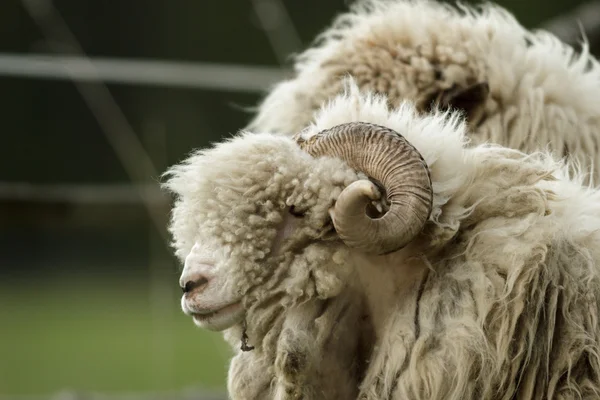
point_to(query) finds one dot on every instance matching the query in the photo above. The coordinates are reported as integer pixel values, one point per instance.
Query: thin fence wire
(277, 24)
(83, 194)
(208, 76)
(583, 22)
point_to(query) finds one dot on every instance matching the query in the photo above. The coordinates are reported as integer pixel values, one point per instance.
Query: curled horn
(387, 158)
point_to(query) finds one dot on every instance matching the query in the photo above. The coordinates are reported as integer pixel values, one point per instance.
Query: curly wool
(496, 299)
(542, 94)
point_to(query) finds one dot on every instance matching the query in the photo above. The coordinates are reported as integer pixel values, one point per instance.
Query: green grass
(102, 336)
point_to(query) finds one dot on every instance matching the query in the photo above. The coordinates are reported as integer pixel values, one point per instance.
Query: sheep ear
(470, 100)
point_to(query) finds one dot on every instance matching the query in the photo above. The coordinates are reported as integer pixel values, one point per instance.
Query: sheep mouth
(220, 319)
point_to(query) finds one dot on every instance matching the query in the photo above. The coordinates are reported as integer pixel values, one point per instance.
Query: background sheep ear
(470, 100)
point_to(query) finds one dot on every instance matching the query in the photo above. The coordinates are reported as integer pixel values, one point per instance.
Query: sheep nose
(193, 282)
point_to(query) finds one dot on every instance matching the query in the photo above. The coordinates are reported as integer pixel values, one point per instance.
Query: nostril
(193, 284)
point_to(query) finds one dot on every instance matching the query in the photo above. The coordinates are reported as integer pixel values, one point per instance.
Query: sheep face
(248, 212)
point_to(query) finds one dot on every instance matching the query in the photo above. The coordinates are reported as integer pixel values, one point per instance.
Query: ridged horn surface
(387, 158)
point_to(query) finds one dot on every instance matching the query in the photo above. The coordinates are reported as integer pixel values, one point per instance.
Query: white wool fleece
(508, 301)
(542, 94)
(497, 298)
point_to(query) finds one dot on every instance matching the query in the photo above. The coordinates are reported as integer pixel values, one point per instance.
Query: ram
(376, 255)
(519, 89)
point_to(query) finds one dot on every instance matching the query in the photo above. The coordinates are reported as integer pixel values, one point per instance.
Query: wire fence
(582, 22)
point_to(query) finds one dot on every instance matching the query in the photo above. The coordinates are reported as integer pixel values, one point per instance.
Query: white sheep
(480, 281)
(520, 89)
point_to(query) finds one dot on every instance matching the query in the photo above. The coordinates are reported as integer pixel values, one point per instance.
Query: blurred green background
(89, 299)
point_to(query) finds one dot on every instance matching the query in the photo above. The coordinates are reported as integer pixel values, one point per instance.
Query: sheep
(520, 89)
(475, 274)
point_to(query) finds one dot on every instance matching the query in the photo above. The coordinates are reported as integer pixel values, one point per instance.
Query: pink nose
(193, 282)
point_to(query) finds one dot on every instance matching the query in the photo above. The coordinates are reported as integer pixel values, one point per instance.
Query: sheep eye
(297, 213)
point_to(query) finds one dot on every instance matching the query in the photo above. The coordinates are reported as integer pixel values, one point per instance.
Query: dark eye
(297, 213)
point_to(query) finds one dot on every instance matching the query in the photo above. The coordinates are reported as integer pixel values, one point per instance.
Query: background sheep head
(423, 51)
(519, 89)
(265, 219)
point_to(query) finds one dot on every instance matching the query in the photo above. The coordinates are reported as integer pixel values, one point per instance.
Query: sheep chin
(220, 319)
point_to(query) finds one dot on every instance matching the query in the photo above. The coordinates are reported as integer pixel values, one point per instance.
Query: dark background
(88, 288)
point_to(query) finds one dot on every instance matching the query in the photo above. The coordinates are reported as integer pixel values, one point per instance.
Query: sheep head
(264, 219)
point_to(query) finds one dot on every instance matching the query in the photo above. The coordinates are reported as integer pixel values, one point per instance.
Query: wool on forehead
(248, 177)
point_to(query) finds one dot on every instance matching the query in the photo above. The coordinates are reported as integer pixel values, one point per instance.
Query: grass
(100, 335)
